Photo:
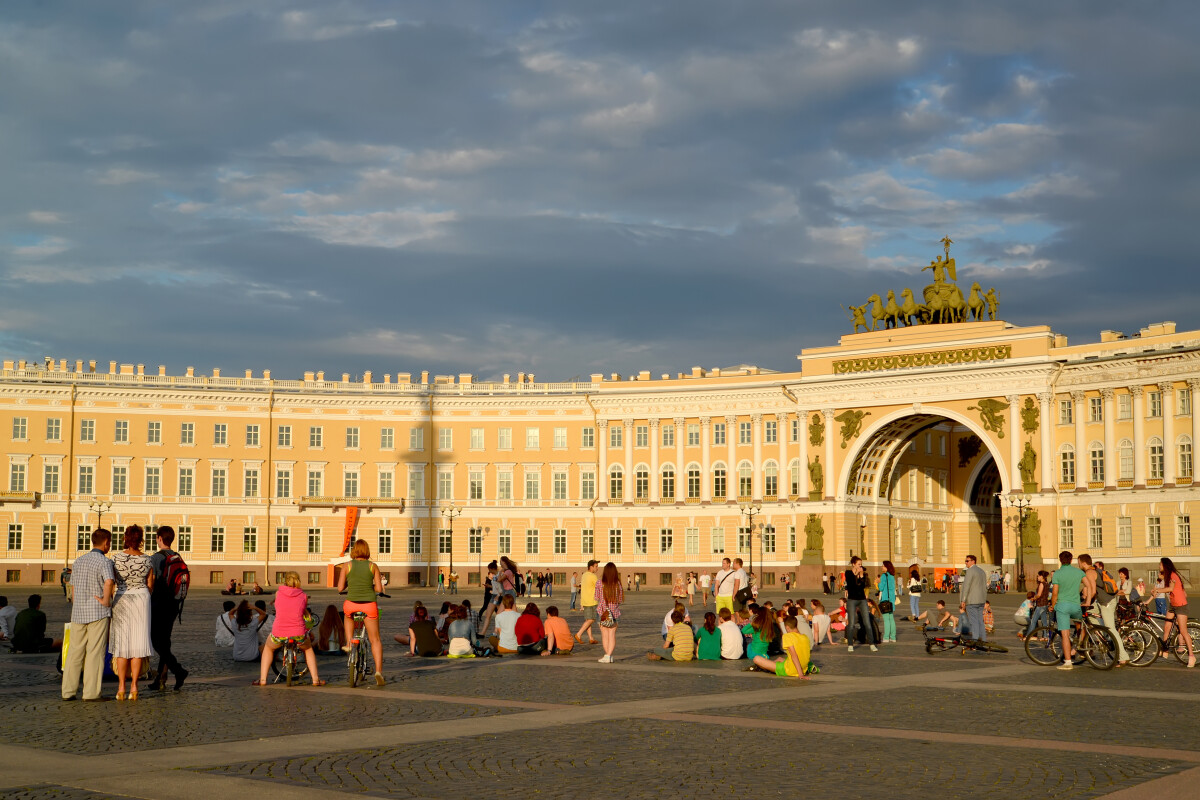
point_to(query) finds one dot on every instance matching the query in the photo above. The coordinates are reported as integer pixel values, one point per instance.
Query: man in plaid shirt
(93, 580)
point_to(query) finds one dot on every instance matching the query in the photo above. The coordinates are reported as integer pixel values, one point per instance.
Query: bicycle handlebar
(377, 594)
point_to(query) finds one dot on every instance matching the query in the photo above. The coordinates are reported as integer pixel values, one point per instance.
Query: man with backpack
(171, 581)
(1100, 589)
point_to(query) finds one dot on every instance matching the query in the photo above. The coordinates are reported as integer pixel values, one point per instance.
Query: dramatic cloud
(571, 188)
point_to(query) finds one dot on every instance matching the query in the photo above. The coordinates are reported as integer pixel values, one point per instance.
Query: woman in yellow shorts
(361, 582)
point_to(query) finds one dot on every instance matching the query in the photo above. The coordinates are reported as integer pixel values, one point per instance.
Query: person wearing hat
(587, 598)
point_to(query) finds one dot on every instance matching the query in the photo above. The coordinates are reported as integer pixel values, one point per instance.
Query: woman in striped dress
(129, 632)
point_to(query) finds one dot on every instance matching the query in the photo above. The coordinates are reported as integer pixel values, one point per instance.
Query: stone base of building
(808, 576)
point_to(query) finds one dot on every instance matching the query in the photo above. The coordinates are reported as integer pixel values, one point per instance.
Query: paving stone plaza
(895, 724)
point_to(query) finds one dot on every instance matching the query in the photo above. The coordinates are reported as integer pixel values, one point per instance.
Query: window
(668, 435)
(1124, 532)
(16, 477)
(504, 541)
(1067, 464)
(314, 541)
(218, 482)
(445, 541)
(1183, 531)
(795, 430)
(1153, 532)
(615, 432)
(1184, 450)
(250, 483)
(87, 430)
(719, 492)
(745, 538)
(385, 542)
(251, 436)
(1095, 409)
(693, 434)
(718, 540)
(693, 482)
(120, 480)
(588, 539)
(282, 540)
(187, 433)
(314, 483)
(414, 541)
(666, 541)
(387, 481)
(476, 438)
(1125, 457)
(768, 539)
(1124, 406)
(587, 485)
(745, 433)
(249, 540)
(153, 481)
(118, 537)
(641, 483)
(416, 439)
(474, 540)
(559, 484)
(187, 482)
(445, 485)
(616, 484)
(718, 433)
(1066, 534)
(120, 431)
(771, 432)
(220, 434)
(316, 437)
(614, 541)
(283, 436)
(771, 480)
(533, 437)
(1185, 402)
(929, 443)
(641, 541)
(16, 533)
(691, 541)
(504, 439)
(50, 478)
(83, 538)
(504, 485)
(533, 484)
(1095, 534)
(588, 438)
(745, 479)
(1155, 404)
(1157, 459)
(668, 484)
(183, 539)
(560, 541)
(641, 436)
(350, 483)
(352, 434)
(475, 485)
(416, 483)
(1096, 462)
(87, 474)
(217, 540)
(792, 538)
(531, 542)
(1066, 412)
(794, 478)
(445, 438)
(387, 438)
(154, 433)
(53, 430)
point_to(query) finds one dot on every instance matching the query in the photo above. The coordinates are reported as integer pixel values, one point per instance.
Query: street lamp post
(450, 512)
(101, 508)
(1022, 503)
(750, 509)
(479, 549)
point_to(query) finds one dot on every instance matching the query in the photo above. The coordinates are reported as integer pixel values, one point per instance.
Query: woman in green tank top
(361, 582)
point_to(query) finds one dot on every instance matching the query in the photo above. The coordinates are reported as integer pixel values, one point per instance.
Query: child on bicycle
(291, 608)
(362, 584)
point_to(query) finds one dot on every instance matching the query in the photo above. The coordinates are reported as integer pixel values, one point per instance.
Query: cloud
(45, 217)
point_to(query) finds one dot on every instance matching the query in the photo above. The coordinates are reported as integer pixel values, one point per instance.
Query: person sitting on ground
(265, 630)
(530, 633)
(422, 635)
(505, 640)
(680, 644)
(821, 623)
(223, 635)
(258, 589)
(471, 617)
(460, 633)
(802, 626)
(803, 609)
(403, 638)
(559, 640)
(443, 623)
(708, 639)
(247, 623)
(733, 646)
(291, 608)
(939, 619)
(667, 623)
(8, 615)
(760, 634)
(443, 613)
(331, 636)
(1021, 617)
(989, 619)
(795, 662)
(29, 630)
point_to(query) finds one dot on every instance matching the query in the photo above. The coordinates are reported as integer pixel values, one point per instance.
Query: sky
(567, 188)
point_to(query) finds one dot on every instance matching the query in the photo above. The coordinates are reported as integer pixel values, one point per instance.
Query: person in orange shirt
(558, 634)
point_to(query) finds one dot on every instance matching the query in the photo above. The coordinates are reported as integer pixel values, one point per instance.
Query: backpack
(1105, 583)
(177, 578)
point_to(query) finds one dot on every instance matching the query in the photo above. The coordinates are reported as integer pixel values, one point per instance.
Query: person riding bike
(362, 584)
(291, 605)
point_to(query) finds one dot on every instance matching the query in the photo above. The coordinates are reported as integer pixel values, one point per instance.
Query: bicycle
(1147, 629)
(1093, 643)
(936, 642)
(360, 659)
(289, 662)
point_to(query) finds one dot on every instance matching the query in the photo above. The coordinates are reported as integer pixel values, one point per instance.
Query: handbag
(744, 596)
(607, 620)
(885, 607)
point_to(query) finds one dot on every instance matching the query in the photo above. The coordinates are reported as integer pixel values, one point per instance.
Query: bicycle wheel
(1101, 648)
(1044, 646)
(1179, 647)
(990, 647)
(1140, 645)
(289, 663)
(352, 665)
(939, 645)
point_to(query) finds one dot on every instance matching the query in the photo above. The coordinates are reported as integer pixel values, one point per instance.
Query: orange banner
(351, 524)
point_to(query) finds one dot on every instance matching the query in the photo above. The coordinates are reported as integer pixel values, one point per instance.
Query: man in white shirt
(705, 582)
(8, 615)
(505, 640)
(223, 634)
(723, 588)
(740, 580)
(733, 646)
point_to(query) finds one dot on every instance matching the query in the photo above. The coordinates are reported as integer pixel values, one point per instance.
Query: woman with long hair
(914, 591)
(708, 639)
(1040, 610)
(609, 596)
(887, 594)
(1172, 583)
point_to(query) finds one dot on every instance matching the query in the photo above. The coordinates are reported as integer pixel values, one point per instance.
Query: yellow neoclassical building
(917, 444)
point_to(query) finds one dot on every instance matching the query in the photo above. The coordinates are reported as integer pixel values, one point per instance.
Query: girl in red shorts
(361, 582)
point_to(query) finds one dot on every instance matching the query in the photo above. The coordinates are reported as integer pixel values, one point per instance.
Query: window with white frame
(641, 436)
(587, 437)
(532, 541)
(616, 483)
(352, 437)
(120, 480)
(666, 541)
(445, 438)
(1157, 462)
(251, 482)
(154, 432)
(587, 485)
(794, 478)
(475, 484)
(283, 436)
(54, 429)
(641, 482)
(477, 438)
(560, 438)
(314, 541)
(316, 437)
(16, 477)
(504, 541)
(1154, 404)
(771, 480)
(385, 541)
(745, 434)
(445, 541)
(350, 483)
(414, 541)
(718, 433)
(795, 437)
(121, 431)
(187, 481)
(217, 540)
(560, 541)
(187, 433)
(504, 485)
(745, 479)
(386, 483)
(474, 541)
(1066, 460)
(50, 476)
(1095, 534)
(717, 536)
(1154, 531)
(1184, 456)
(616, 435)
(558, 484)
(1066, 534)
(1124, 406)
(533, 438)
(587, 540)
(1185, 402)
(387, 439)
(1066, 412)
(251, 436)
(314, 481)
(87, 430)
(768, 539)
(693, 434)
(693, 481)
(533, 484)
(691, 541)
(416, 483)
(1095, 409)
(183, 539)
(1125, 458)
(249, 540)
(20, 429)
(87, 479)
(1124, 532)
(668, 484)
(283, 540)
(416, 438)
(154, 481)
(16, 534)
(49, 538)
(668, 435)
(218, 482)
(504, 438)
(1183, 531)
(720, 491)
(641, 541)
(1096, 462)
(771, 431)
(614, 541)
(445, 484)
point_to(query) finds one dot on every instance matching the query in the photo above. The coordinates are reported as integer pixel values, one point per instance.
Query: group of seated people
(25, 631)
(454, 632)
(244, 628)
(233, 587)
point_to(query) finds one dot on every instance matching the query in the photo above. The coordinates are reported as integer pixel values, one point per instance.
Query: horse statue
(975, 303)
(891, 311)
(911, 312)
(877, 312)
(958, 305)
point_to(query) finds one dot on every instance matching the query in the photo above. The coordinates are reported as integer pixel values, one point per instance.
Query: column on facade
(680, 466)
(785, 472)
(1194, 385)
(731, 471)
(630, 478)
(830, 476)
(602, 451)
(655, 478)
(802, 437)
(705, 461)
(1168, 410)
(1111, 462)
(1082, 457)
(1139, 438)
(1014, 444)
(756, 424)
(1048, 454)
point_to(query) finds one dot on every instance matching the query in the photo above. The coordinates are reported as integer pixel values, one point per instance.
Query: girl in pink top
(291, 604)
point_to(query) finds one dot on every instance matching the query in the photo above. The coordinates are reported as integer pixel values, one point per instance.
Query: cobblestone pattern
(49, 792)
(653, 756)
(209, 714)
(1173, 677)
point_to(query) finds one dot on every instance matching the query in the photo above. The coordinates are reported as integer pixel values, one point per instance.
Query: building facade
(908, 444)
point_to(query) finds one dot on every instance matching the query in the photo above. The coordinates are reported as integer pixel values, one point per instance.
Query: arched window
(1096, 462)
(1158, 463)
(1066, 457)
(720, 488)
(770, 479)
(1183, 449)
(641, 482)
(1125, 457)
(616, 484)
(745, 479)
(668, 483)
(693, 481)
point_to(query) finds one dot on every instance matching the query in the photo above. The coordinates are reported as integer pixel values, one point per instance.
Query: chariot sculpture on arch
(944, 301)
